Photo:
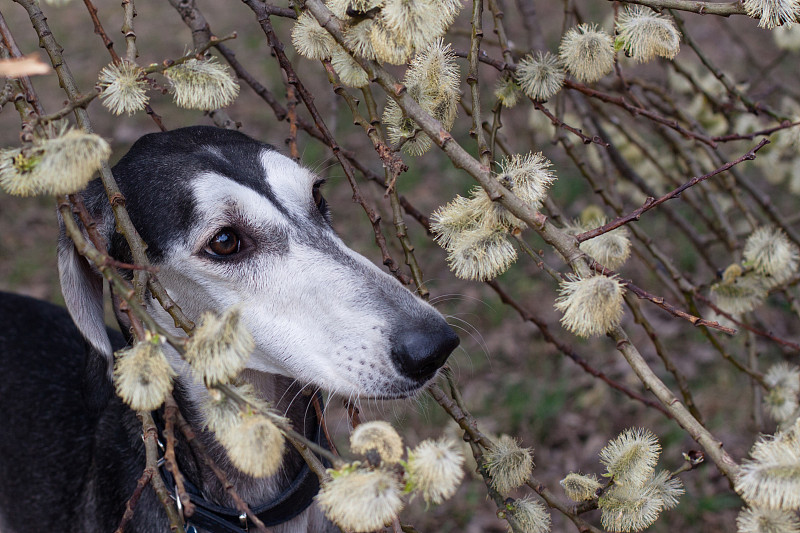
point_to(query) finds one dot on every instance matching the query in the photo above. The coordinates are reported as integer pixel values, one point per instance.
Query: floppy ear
(82, 287)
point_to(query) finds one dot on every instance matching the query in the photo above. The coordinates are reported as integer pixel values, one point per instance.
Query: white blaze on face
(318, 311)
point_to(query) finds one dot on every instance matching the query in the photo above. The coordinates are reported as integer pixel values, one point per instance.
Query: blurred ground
(513, 382)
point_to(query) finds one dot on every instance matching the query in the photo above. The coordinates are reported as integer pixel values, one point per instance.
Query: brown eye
(225, 242)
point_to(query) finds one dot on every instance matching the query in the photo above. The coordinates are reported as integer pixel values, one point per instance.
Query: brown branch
(170, 416)
(81, 102)
(484, 153)
(527, 315)
(262, 15)
(25, 81)
(130, 505)
(650, 203)
(767, 335)
(124, 224)
(661, 351)
(636, 111)
(561, 124)
(131, 53)
(565, 244)
(150, 436)
(750, 136)
(604, 97)
(702, 7)
(470, 426)
(291, 105)
(98, 30)
(352, 414)
(730, 86)
(200, 450)
(320, 412)
(660, 302)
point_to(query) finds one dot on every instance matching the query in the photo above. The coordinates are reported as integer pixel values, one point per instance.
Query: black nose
(420, 351)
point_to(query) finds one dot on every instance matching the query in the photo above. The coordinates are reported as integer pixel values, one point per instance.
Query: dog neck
(287, 398)
(282, 393)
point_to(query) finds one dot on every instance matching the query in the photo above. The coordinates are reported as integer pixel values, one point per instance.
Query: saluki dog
(228, 221)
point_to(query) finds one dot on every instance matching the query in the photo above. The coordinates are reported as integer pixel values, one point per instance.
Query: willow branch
(150, 436)
(263, 17)
(565, 244)
(650, 203)
(470, 426)
(199, 449)
(124, 224)
(702, 7)
(130, 505)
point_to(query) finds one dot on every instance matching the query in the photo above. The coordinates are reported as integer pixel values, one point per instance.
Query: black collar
(295, 499)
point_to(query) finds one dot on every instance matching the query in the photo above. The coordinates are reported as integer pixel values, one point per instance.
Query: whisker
(460, 297)
(473, 332)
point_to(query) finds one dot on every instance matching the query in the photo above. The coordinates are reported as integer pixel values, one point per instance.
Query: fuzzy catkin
(360, 500)
(772, 478)
(587, 52)
(435, 469)
(380, 436)
(631, 457)
(123, 88)
(591, 306)
(508, 464)
(646, 34)
(531, 515)
(629, 508)
(254, 445)
(62, 164)
(142, 375)
(579, 488)
(202, 84)
(220, 347)
(540, 77)
(772, 13)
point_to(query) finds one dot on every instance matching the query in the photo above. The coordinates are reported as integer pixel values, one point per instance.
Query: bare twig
(150, 435)
(702, 7)
(262, 15)
(199, 449)
(130, 505)
(650, 203)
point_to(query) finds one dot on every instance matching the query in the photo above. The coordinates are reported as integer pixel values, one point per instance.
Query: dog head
(230, 221)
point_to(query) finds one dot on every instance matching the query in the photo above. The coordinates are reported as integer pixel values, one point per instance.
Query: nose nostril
(420, 352)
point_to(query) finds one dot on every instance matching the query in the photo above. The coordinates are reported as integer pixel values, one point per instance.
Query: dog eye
(225, 242)
(316, 193)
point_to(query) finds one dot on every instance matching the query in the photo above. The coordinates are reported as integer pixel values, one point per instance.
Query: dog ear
(82, 287)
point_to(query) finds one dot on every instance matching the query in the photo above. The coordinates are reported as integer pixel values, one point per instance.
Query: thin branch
(170, 417)
(116, 198)
(98, 29)
(199, 449)
(470, 426)
(263, 17)
(565, 244)
(561, 124)
(130, 505)
(660, 302)
(650, 203)
(150, 436)
(793, 346)
(702, 7)
(528, 315)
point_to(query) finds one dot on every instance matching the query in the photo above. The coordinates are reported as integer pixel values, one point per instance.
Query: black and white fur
(321, 316)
